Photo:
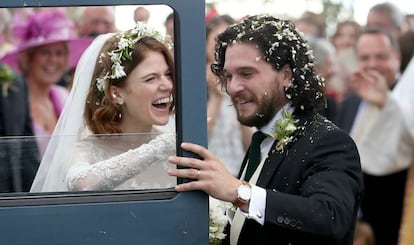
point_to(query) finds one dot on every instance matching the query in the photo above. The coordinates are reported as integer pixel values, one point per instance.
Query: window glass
(77, 159)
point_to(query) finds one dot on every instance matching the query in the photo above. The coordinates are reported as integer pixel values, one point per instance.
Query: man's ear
(287, 74)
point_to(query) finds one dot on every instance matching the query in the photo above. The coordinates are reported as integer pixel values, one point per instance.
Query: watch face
(244, 192)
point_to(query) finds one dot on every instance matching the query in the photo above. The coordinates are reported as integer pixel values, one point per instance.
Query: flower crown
(124, 50)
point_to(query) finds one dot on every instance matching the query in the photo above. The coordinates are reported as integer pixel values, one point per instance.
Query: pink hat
(45, 27)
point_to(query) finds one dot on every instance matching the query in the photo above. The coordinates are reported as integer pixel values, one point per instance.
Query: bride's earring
(119, 101)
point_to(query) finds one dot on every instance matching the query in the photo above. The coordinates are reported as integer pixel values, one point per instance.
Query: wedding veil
(70, 127)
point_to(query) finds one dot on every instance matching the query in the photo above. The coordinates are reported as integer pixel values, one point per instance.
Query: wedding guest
(345, 35)
(19, 157)
(388, 16)
(410, 20)
(5, 35)
(378, 57)
(406, 41)
(141, 14)
(363, 234)
(311, 24)
(308, 183)
(392, 152)
(344, 40)
(227, 138)
(123, 89)
(169, 26)
(93, 21)
(406, 236)
(90, 22)
(324, 54)
(46, 47)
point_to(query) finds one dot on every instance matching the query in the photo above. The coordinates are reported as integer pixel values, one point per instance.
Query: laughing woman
(46, 46)
(122, 91)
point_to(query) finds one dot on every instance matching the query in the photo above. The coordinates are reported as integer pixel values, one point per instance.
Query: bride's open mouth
(163, 103)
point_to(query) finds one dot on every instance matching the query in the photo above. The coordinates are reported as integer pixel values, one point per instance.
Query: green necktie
(254, 154)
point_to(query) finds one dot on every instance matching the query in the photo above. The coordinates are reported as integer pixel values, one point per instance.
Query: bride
(107, 136)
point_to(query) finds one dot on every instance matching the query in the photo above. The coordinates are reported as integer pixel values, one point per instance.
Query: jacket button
(293, 223)
(299, 225)
(279, 219)
(286, 221)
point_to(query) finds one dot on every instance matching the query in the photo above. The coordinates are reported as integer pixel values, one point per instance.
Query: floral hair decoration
(124, 51)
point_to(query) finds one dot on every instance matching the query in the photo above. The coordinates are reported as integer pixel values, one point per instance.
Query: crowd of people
(316, 181)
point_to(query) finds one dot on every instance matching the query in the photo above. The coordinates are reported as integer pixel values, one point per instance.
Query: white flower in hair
(100, 83)
(123, 43)
(118, 71)
(124, 51)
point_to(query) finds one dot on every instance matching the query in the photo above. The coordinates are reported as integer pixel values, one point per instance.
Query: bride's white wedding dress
(109, 163)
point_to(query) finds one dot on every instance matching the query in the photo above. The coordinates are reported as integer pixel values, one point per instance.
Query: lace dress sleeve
(108, 174)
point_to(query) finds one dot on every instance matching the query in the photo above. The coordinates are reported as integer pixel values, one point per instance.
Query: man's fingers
(189, 173)
(189, 186)
(185, 162)
(197, 149)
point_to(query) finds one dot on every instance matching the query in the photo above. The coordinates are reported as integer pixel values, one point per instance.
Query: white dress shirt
(257, 203)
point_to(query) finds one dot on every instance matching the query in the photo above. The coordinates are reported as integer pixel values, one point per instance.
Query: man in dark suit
(308, 184)
(19, 157)
(378, 58)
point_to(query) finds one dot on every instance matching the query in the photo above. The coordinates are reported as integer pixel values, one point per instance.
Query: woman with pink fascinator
(46, 46)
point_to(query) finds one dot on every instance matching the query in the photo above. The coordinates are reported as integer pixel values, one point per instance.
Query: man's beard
(268, 107)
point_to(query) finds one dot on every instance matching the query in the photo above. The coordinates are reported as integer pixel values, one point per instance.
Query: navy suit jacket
(19, 158)
(349, 109)
(314, 188)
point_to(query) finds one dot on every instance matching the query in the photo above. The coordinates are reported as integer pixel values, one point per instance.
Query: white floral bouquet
(218, 220)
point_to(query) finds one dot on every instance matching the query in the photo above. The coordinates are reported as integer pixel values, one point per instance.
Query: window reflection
(96, 163)
(122, 162)
(107, 162)
(70, 161)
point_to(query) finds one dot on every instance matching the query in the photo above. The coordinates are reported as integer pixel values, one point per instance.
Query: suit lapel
(271, 163)
(275, 158)
(12, 107)
(243, 165)
(349, 112)
(8, 118)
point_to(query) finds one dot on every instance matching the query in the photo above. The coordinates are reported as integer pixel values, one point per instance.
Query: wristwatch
(244, 192)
